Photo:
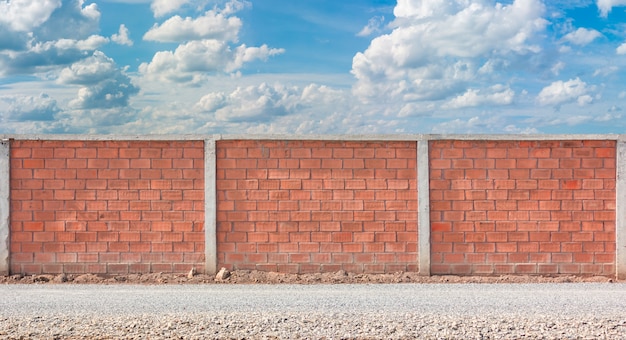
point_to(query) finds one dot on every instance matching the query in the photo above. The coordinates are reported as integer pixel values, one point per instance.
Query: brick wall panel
(552, 210)
(75, 203)
(324, 205)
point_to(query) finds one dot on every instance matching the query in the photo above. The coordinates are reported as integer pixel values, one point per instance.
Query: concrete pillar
(4, 207)
(210, 208)
(620, 211)
(423, 205)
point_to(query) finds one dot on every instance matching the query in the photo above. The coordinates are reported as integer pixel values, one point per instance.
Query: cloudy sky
(312, 66)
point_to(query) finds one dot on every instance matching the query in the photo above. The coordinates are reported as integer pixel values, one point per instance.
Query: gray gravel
(395, 311)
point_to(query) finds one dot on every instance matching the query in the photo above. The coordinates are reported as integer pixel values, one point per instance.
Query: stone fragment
(222, 275)
(43, 278)
(60, 278)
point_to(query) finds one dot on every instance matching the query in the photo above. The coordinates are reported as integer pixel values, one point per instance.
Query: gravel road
(394, 311)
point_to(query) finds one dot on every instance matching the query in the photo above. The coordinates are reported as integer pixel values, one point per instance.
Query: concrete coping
(329, 137)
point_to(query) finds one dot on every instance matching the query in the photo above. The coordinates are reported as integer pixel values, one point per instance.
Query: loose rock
(60, 278)
(222, 275)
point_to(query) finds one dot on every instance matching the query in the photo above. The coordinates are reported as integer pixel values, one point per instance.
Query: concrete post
(423, 204)
(210, 208)
(620, 213)
(4, 207)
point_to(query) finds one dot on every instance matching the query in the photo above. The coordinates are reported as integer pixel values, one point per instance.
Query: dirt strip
(258, 277)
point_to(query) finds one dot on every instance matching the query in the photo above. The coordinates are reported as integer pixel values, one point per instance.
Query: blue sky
(312, 66)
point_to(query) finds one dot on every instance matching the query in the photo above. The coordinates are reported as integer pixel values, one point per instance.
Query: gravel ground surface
(324, 311)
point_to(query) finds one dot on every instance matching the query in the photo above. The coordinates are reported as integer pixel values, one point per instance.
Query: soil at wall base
(258, 277)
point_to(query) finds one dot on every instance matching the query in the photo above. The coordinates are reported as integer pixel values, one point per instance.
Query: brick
(605, 152)
(496, 236)
(571, 184)
(352, 247)
(461, 247)
(528, 205)
(497, 215)
(506, 205)
(569, 269)
(315, 152)
(452, 153)
(449, 237)
(549, 205)
(562, 174)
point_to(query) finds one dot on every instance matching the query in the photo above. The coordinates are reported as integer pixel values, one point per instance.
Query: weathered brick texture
(311, 206)
(496, 207)
(523, 207)
(110, 207)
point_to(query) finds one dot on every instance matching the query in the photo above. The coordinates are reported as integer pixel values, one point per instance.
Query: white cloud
(584, 100)
(605, 6)
(609, 116)
(605, 71)
(244, 54)
(90, 11)
(193, 60)
(564, 49)
(373, 26)
(91, 70)
(621, 50)
(570, 120)
(206, 49)
(110, 93)
(460, 126)
(72, 20)
(212, 102)
(253, 103)
(103, 84)
(131, 1)
(438, 48)
(496, 95)
(28, 108)
(557, 68)
(314, 94)
(94, 120)
(234, 6)
(12, 41)
(212, 25)
(61, 33)
(257, 107)
(48, 56)
(91, 43)
(420, 9)
(162, 7)
(122, 37)
(482, 123)
(25, 15)
(279, 108)
(582, 36)
(559, 92)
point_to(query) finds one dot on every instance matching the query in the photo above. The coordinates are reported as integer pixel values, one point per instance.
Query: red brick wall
(500, 207)
(497, 207)
(106, 206)
(310, 206)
